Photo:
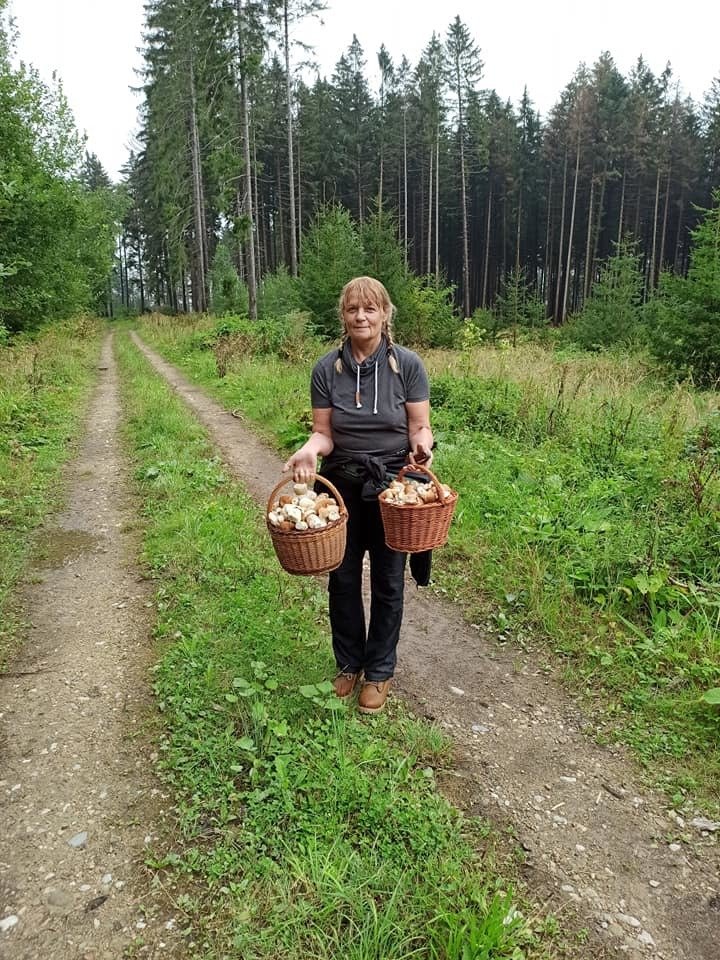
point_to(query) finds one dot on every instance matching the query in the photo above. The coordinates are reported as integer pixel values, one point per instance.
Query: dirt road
(78, 802)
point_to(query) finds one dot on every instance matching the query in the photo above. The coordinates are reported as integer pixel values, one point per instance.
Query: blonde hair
(368, 289)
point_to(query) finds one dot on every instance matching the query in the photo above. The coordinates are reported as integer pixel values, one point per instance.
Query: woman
(371, 414)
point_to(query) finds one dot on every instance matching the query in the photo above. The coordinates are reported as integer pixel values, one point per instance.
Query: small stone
(479, 728)
(702, 823)
(457, 691)
(79, 841)
(675, 847)
(580, 848)
(645, 938)
(106, 880)
(629, 921)
(654, 883)
(7, 923)
(58, 899)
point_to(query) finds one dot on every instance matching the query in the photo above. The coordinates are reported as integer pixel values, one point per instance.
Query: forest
(242, 154)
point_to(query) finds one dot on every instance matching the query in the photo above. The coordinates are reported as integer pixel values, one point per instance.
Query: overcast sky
(92, 44)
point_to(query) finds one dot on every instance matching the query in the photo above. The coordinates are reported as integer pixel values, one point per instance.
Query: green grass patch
(305, 832)
(589, 518)
(44, 385)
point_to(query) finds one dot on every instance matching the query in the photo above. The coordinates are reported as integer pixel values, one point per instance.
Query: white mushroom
(292, 512)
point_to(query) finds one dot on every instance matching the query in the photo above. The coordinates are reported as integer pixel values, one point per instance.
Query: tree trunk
(262, 252)
(141, 282)
(519, 229)
(122, 262)
(245, 125)
(558, 279)
(291, 165)
(430, 215)
(486, 264)
(571, 230)
(405, 187)
(279, 232)
(598, 223)
(199, 290)
(678, 234)
(463, 198)
(437, 208)
(548, 239)
(663, 235)
(622, 207)
(299, 206)
(650, 282)
(588, 241)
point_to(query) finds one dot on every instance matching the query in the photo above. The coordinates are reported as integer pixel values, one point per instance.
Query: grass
(304, 831)
(44, 385)
(589, 519)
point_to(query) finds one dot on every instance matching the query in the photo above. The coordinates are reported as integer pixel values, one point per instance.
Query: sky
(93, 47)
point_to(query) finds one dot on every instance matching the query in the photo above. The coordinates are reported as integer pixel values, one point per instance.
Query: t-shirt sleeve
(320, 387)
(417, 387)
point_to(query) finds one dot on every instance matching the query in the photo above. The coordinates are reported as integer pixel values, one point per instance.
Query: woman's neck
(362, 351)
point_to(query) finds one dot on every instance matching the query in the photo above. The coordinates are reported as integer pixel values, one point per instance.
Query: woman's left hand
(421, 455)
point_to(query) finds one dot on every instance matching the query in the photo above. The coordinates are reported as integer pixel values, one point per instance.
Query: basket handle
(414, 467)
(316, 476)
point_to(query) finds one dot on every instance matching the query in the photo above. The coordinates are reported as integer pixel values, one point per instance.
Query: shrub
(332, 255)
(426, 315)
(684, 319)
(279, 294)
(613, 312)
(228, 294)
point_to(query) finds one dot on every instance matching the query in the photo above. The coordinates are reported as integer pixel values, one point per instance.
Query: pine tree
(464, 71)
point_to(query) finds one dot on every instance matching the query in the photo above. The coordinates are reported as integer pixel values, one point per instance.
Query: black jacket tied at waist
(375, 475)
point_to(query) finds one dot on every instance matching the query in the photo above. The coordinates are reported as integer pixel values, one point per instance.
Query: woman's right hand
(303, 464)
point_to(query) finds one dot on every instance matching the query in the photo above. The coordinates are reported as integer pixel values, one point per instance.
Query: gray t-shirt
(379, 426)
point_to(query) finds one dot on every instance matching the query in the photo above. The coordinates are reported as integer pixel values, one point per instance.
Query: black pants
(373, 650)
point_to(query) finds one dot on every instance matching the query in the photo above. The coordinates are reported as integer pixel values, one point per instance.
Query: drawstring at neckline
(358, 402)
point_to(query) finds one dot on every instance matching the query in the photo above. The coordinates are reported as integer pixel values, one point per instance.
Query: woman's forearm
(421, 435)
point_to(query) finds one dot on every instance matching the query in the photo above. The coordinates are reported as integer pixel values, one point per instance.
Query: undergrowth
(589, 518)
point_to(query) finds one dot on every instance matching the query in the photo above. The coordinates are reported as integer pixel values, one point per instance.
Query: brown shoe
(373, 696)
(345, 684)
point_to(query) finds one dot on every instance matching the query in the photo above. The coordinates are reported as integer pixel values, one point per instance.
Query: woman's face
(363, 321)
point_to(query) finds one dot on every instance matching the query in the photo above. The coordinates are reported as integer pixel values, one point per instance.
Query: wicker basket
(310, 551)
(414, 528)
